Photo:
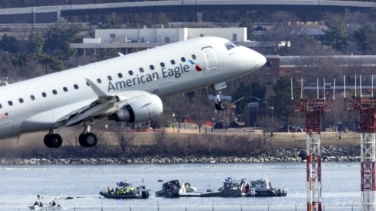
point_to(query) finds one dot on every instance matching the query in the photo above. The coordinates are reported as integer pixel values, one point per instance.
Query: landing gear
(52, 140)
(219, 105)
(86, 138)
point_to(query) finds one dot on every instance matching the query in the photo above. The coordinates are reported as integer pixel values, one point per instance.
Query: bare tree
(306, 45)
(159, 138)
(268, 125)
(283, 29)
(124, 140)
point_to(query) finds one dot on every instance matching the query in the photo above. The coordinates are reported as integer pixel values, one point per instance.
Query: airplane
(125, 88)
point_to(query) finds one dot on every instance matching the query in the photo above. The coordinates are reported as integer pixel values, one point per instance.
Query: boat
(39, 206)
(126, 191)
(230, 188)
(170, 189)
(187, 190)
(173, 189)
(36, 206)
(54, 206)
(263, 188)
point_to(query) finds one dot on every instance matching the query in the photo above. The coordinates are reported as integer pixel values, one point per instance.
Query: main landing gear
(52, 140)
(86, 139)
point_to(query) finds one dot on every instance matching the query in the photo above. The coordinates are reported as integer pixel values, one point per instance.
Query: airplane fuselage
(48, 102)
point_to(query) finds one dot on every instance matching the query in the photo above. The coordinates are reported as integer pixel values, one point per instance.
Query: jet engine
(139, 109)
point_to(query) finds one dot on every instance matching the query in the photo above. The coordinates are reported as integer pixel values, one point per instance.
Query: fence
(213, 207)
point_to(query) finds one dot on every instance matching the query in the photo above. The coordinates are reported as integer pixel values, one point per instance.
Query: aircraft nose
(259, 60)
(254, 59)
(247, 60)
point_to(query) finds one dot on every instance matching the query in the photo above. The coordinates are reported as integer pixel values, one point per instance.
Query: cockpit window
(230, 45)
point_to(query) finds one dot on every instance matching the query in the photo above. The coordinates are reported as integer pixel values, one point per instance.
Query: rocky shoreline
(329, 154)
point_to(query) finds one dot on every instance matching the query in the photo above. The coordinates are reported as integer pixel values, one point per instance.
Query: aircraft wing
(103, 106)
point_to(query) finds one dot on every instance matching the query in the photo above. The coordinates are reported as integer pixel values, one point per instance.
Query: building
(136, 39)
(130, 40)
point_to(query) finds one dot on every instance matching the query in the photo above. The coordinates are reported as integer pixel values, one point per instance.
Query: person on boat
(123, 191)
(131, 189)
(36, 203)
(138, 190)
(246, 188)
(110, 190)
(242, 183)
(40, 204)
(228, 180)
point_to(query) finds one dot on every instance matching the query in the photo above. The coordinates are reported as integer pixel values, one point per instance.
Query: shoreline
(199, 160)
(165, 148)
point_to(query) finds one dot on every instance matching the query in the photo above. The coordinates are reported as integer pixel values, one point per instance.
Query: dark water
(19, 186)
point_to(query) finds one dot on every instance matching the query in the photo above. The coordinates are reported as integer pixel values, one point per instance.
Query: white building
(130, 40)
(163, 35)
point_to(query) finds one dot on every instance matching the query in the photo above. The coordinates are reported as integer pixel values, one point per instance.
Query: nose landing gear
(219, 105)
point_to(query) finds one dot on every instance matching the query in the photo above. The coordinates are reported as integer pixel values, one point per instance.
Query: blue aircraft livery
(175, 72)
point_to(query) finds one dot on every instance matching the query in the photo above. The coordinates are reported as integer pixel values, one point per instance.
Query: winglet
(96, 89)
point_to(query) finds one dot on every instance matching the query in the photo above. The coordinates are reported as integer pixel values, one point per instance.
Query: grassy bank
(169, 142)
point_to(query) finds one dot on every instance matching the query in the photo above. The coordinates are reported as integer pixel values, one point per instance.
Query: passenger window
(162, 64)
(182, 59)
(65, 89)
(75, 86)
(120, 75)
(99, 80)
(32, 97)
(130, 72)
(151, 67)
(193, 57)
(44, 94)
(54, 92)
(10, 103)
(1, 106)
(172, 62)
(109, 78)
(21, 100)
(141, 69)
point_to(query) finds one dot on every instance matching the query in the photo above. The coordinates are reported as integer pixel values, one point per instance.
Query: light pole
(173, 122)
(272, 125)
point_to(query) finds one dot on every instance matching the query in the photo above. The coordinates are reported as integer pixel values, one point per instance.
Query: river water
(20, 185)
